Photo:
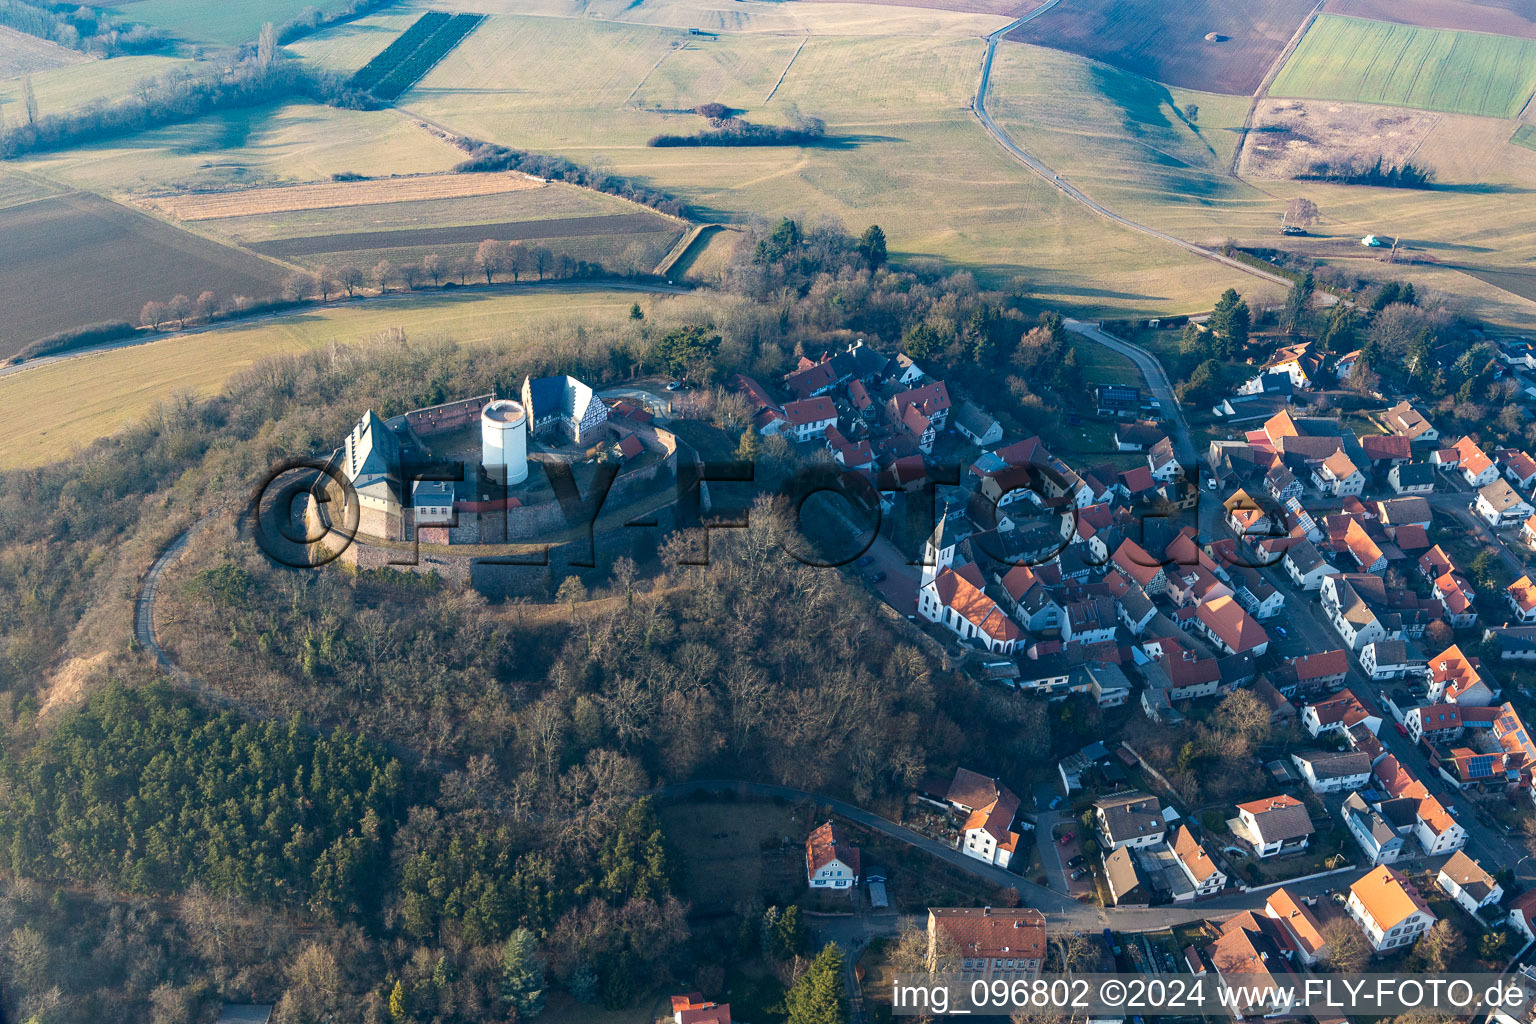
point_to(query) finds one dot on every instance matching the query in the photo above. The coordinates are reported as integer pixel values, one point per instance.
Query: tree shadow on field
(1479, 188)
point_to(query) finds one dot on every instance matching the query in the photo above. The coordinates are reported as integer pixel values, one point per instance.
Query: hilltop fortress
(478, 470)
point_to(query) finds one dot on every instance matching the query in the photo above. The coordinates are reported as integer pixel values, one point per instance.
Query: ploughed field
(1166, 42)
(21, 54)
(1407, 66)
(414, 52)
(1504, 17)
(77, 259)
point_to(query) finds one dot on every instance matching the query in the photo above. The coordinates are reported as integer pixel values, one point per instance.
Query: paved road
(1059, 909)
(1157, 381)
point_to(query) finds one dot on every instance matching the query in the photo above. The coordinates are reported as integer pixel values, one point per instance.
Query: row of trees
(87, 29)
(735, 131)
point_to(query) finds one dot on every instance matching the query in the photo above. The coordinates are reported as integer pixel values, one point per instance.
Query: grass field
(1400, 65)
(707, 257)
(77, 259)
(226, 23)
(17, 188)
(1130, 144)
(21, 54)
(65, 88)
(76, 400)
(296, 142)
(1166, 41)
(1525, 136)
(1289, 136)
(907, 154)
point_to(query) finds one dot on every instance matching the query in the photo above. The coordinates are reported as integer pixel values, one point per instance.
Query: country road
(979, 108)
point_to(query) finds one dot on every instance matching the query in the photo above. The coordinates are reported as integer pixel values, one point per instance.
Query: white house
(1328, 771)
(1305, 931)
(1388, 909)
(1392, 659)
(1468, 883)
(1196, 864)
(1274, 825)
(1376, 837)
(1129, 820)
(1305, 565)
(1521, 596)
(810, 417)
(1522, 915)
(831, 861)
(1500, 505)
(1337, 475)
(1476, 468)
(1338, 714)
(1412, 478)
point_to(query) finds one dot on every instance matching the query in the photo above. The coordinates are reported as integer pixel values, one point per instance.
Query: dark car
(1077, 862)
(878, 577)
(1079, 873)
(866, 560)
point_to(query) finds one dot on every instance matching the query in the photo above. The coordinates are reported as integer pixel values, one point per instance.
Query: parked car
(1066, 837)
(866, 560)
(1401, 728)
(1057, 802)
(1338, 897)
(1280, 630)
(1079, 873)
(878, 577)
(1077, 862)
(673, 385)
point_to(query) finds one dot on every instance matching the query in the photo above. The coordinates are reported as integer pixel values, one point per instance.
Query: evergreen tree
(636, 313)
(818, 997)
(1229, 324)
(749, 448)
(522, 974)
(583, 983)
(399, 1011)
(921, 341)
(872, 246)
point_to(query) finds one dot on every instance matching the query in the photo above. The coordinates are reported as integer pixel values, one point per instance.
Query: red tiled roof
(1321, 665)
(1224, 617)
(810, 410)
(961, 590)
(826, 844)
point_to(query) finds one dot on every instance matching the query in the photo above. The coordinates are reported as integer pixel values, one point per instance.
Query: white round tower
(504, 441)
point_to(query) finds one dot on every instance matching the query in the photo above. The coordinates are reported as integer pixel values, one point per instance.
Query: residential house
(1163, 462)
(1138, 436)
(1305, 565)
(1438, 722)
(1246, 516)
(1300, 362)
(1129, 820)
(1469, 883)
(1116, 399)
(1138, 564)
(1337, 475)
(1500, 505)
(1519, 468)
(955, 599)
(1456, 678)
(905, 372)
(1230, 627)
(1521, 596)
(1338, 714)
(1407, 421)
(809, 418)
(1377, 838)
(1127, 886)
(1528, 532)
(1392, 659)
(831, 861)
(1456, 596)
(1410, 511)
(1476, 468)
(767, 415)
(693, 1008)
(974, 424)
(1522, 917)
(1196, 864)
(1385, 450)
(1273, 826)
(1090, 621)
(1355, 604)
(1412, 478)
(1281, 484)
(1316, 672)
(1305, 933)
(1249, 957)
(1388, 909)
(811, 379)
(1257, 595)
(1328, 771)
(989, 943)
(1031, 601)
